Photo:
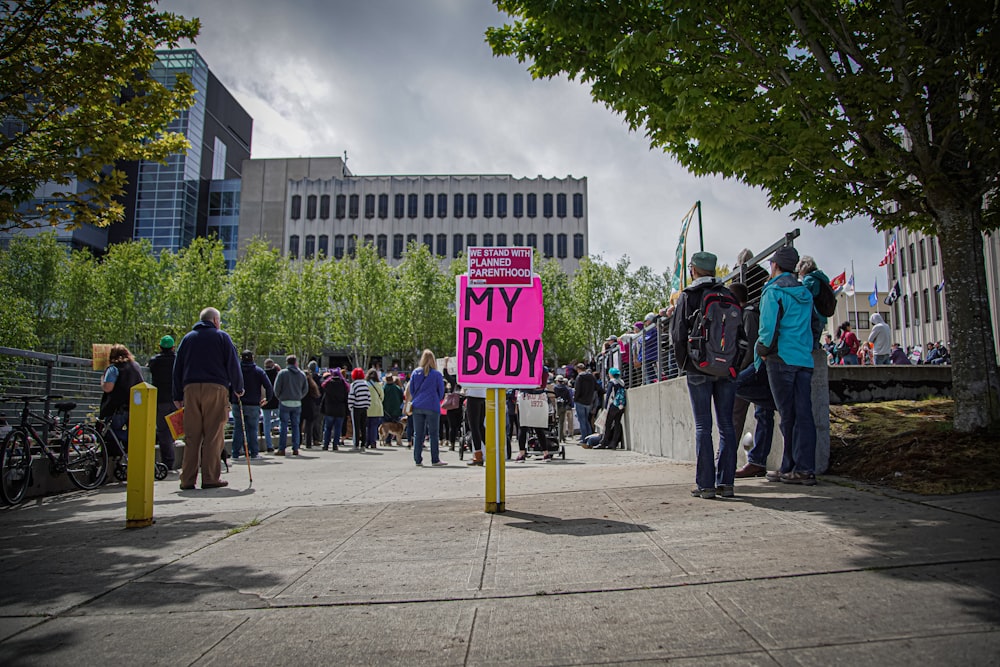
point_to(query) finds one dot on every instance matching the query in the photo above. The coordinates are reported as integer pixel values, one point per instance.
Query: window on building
(488, 205)
(923, 254)
(893, 270)
(547, 247)
(442, 205)
(219, 160)
(324, 246)
(561, 205)
(370, 239)
(311, 207)
(502, 205)
(487, 240)
(397, 246)
(352, 244)
(411, 206)
(383, 206)
(532, 205)
(459, 205)
(341, 210)
(352, 207)
(561, 246)
(428, 205)
(937, 304)
(860, 319)
(518, 240)
(429, 242)
(532, 241)
(927, 305)
(895, 313)
(324, 207)
(338, 246)
(916, 309)
(547, 206)
(399, 206)
(410, 238)
(442, 245)
(577, 205)
(902, 263)
(456, 245)
(470, 241)
(310, 247)
(933, 243)
(518, 205)
(501, 240)
(369, 206)
(296, 207)
(470, 204)
(577, 246)
(383, 245)
(906, 311)
(913, 259)
(293, 246)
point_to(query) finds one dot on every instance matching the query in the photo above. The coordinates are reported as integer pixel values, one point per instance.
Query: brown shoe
(751, 470)
(215, 485)
(186, 487)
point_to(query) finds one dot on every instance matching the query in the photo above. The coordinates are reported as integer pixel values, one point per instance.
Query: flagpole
(854, 282)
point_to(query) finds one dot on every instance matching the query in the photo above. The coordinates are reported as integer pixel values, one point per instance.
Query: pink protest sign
(500, 266)
(500, 334)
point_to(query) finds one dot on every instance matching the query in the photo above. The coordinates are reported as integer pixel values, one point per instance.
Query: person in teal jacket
(811, 277)
(785, 343)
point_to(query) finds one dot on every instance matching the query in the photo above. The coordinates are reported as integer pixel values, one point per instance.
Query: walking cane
(246, 441)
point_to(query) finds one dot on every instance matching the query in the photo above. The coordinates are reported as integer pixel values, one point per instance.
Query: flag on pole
(893, 294)
(680, 256)
(890, 252)
(849, 291)
(873, 297)
(837, 283)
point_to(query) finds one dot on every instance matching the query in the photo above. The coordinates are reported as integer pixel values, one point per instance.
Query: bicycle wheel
(15, 467)
(86, 458)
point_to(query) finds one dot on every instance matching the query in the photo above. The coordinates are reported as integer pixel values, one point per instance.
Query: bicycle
(118, 451)
(75, 449)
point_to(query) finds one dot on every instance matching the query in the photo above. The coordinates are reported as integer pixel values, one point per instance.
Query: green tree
(303, 298)
(597, 301)
(130, 288)
(427, 303)
(74, 90)
(252, 317)
(81, 295)
(194, 278)
(562, 336)
(842, 108)
(33, 264)
(362, 304)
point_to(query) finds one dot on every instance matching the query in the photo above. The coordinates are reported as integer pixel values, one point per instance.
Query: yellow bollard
(496, 450)
(141, 456)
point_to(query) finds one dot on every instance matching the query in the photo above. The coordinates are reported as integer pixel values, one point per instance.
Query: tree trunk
(975, 378)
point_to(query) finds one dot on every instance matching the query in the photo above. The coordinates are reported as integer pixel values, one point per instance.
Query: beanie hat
(357, 374)
(614, 372)
(786, 257)
(166, 342)
(704, 261)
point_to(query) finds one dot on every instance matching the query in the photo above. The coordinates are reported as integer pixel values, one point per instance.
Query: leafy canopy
(75, 99)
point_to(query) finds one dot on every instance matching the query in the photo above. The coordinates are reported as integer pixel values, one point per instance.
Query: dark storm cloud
(411, 87)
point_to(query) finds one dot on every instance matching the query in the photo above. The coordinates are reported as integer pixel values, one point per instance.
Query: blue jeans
(792, 390)
(270, 416)
(752, 385)
(371, 437)
(705, 390)
(251, 415)
(332, 427)
(286, 416)
(583, 416)
(425, 421)
(881, 359)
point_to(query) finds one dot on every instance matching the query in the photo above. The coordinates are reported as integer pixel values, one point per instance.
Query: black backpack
(716, 340)
(826, 300)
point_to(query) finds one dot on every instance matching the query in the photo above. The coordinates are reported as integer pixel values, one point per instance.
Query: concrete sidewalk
(362, 558)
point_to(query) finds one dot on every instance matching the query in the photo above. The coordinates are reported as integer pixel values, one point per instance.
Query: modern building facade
(328, 212)
(920, 315)
(169, 204)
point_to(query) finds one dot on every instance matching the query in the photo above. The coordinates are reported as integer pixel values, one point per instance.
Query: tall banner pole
(496, 441)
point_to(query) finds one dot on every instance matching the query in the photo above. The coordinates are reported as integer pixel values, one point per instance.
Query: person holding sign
(427, 392)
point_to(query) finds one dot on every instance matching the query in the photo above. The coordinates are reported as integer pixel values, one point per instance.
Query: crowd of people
(878, 350)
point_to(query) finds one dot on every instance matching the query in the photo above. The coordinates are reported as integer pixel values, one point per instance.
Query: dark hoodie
(206, 355)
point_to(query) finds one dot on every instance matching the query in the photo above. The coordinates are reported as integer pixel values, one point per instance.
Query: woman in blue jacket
(426, 393)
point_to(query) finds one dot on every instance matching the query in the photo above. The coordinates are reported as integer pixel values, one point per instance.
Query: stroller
(118, 452)
(532, 418)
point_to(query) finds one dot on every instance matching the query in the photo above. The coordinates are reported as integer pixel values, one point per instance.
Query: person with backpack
(847, 345)
(824, 300)
(708, 339)
(785, 344)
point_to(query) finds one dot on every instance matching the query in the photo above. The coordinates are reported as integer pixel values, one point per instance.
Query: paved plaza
(361, 558)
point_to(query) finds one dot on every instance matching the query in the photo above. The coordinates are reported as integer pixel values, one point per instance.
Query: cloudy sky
(411, 87)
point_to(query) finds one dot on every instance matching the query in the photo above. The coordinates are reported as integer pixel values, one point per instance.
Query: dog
(387, 430)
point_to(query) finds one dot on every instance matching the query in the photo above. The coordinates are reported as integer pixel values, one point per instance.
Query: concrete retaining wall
(863, 384)
(659, 421)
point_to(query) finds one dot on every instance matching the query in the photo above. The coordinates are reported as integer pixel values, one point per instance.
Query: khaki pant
(205, 414)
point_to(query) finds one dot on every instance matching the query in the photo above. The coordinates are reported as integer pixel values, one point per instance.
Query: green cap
(166, 342)
(705, 261)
